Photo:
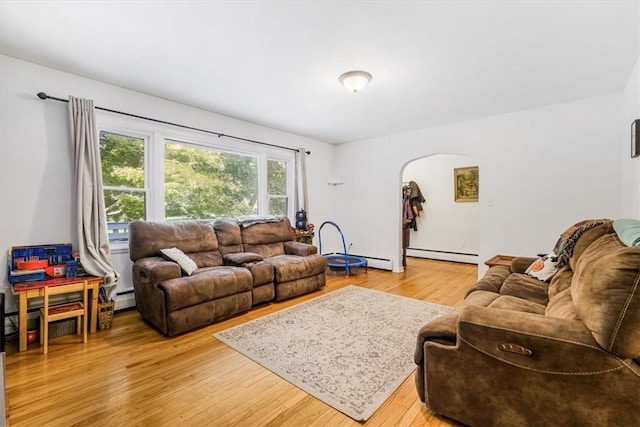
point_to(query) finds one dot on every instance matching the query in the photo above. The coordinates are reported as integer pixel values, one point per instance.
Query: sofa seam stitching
(633, 371)
(624, 312)
(537, 335)
(541, 370)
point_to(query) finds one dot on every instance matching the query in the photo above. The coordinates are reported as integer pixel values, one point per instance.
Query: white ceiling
(277, 63)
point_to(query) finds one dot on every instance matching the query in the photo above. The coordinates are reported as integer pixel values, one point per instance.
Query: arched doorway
(446, 228)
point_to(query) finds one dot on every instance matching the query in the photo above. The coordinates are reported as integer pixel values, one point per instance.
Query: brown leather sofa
(518, 351)
(296, 267)
(232, 274)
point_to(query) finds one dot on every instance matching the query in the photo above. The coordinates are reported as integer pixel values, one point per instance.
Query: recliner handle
(516, 349)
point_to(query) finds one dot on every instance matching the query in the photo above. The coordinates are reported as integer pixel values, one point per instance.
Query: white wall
(35, 168)
(444, 226)
(544, 169)
(630, 167)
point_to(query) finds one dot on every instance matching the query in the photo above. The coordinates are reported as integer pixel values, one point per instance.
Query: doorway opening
(445, 228)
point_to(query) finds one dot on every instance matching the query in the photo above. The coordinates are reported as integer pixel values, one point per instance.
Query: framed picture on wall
(466, 184)
(635, 138)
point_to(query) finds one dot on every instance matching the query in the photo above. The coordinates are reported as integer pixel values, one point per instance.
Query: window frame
(146, 139)
(289, 162)
(157, 135)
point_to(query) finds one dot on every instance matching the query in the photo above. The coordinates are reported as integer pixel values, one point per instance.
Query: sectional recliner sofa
(522, 352)
(240, 263)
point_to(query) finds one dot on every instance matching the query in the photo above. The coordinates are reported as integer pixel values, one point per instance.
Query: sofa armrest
(238, 259)
(520, 264)
(534, 342)
(154, 270)
(299, 248)
(442, 330)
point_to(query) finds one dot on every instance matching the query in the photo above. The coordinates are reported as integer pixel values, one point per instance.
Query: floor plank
(133, 375)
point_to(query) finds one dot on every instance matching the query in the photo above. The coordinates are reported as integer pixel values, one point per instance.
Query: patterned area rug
(351, 348)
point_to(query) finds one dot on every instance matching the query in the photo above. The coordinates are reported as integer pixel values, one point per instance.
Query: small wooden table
(500, 260)
(26, 290)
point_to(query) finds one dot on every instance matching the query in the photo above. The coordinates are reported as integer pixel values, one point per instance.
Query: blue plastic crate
(58, 253)
(31, 277)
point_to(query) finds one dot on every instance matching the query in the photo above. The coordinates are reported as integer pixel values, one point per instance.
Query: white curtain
(93, 242)
(301, 180)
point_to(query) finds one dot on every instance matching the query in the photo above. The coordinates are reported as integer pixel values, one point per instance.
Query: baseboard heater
(125, 299)
(443, 255)
(373, 262)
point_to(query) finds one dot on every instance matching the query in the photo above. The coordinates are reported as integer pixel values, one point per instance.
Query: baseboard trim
(443, 255)
(372, 262)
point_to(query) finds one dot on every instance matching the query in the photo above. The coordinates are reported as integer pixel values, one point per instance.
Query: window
(277, 187)
(203, 183)
(161, 173)
(123, 176)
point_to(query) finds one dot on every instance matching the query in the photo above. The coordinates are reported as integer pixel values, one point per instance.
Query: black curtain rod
(43, 96)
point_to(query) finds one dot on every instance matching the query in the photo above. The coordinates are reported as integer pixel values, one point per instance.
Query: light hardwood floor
(132, 375)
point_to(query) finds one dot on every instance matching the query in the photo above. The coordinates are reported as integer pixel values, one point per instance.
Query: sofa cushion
(561, 305)
(507, 302)
(205, 285)
(266, 250)
(606, 293)
(294, 288)
(586, 239)
(565, 245)
(227, 231)
(560, 282)
(266, 233)
(187, 265)
(207, 312)
(206, 259)
(480, 298)
(228, 234)
(525, 287)
(491, 281)
(293, 267)
(147, 238)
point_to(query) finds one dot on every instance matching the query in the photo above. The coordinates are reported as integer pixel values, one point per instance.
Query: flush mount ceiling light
(355, 81)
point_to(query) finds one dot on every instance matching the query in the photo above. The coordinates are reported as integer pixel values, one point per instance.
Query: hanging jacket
(416, 198)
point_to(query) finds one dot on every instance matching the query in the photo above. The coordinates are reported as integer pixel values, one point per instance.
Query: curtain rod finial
(42, 95)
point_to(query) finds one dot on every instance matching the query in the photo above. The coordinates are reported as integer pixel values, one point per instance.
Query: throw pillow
(187, 265)
(628, 231)
(544, 267)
